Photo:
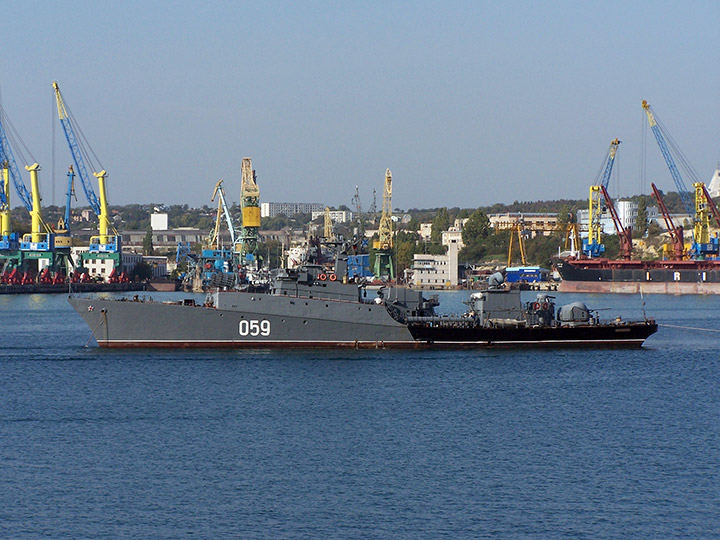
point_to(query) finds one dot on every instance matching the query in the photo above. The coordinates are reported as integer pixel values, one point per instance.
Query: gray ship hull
(303, 310)
(243, 320)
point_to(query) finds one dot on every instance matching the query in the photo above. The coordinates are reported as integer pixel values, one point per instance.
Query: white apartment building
(627, 213)
(273, 209)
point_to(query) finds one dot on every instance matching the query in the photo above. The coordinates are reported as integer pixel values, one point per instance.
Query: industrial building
(537, 223)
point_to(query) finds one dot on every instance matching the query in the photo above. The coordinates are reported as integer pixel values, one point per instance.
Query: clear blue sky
(468, 103)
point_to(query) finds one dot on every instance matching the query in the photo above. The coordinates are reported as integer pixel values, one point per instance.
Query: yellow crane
(385, 240)
(517, 230)
(572, 238)
(214, 239)
(250, 202)
(5, 221)
(328, 226)
(596, 203)
(384, 266)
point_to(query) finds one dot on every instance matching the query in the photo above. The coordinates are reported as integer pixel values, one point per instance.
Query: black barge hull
(612, 335)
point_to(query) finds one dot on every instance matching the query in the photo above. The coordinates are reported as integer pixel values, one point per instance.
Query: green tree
(477, 237)
(473, 253)
(148, 248)
(405, 252)
(476, 228)
(440, 224)
(141, 271)
(413, 224)
(564, 217)
(641, 221)
(541, 249)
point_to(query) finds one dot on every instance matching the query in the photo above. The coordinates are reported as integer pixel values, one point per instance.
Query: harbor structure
(337, 216)
(538, 223)
(289, 209)
(436, 271)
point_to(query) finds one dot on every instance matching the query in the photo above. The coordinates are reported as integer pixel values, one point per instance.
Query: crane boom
(711, 205)
(594, 247)
(610, 162)
(385, 238)
(6, 154)
(222, 204)
(77, 155)
(676, 234)
(623, 233)
(104, 242)
(674, 172)
(30, 201)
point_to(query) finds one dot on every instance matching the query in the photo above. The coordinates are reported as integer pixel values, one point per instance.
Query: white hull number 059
(254, 328)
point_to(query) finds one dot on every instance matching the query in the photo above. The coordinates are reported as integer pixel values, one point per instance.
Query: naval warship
(309, 307)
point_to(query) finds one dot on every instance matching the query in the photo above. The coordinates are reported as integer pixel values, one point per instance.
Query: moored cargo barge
(662, 277)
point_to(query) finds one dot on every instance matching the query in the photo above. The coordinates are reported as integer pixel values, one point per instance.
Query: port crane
(41, 237)
(384, 244)
(109, 240)
(711, 205)
(216, 263)
(676, 233)
(623, 233)
(572, 239)
(250, 202)
(699, 210)
(63, 237)
(593, 246)
(517, 230)
(222, 211)
(328, 233)
(5, 223)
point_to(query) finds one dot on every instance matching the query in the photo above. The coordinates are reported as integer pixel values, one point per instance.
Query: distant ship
(310, 307)
(610, 276)
(677, 276)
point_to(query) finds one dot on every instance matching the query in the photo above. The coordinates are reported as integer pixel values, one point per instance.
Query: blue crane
(609, 163)
(697, 209)
(75, 150)
(674, 172)
(104, 242)
(593, 246)
(41, 237)
(6, 155)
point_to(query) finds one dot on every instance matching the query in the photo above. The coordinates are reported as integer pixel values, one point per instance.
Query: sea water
(361, 444)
